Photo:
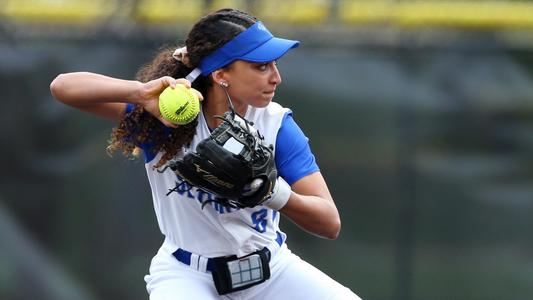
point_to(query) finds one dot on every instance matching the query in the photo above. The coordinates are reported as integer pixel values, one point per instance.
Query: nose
(275, 77)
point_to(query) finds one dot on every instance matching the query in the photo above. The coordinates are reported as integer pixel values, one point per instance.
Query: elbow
(57, 87)
(334, 230)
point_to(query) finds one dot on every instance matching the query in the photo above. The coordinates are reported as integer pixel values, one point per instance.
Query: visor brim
(270, 50)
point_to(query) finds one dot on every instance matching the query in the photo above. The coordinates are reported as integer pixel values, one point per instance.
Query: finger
(169, 81)
(184, 81)
(200, 96)
(167, 123)
(159, 116)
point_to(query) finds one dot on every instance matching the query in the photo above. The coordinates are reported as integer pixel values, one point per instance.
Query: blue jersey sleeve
(294, 159)
(149, 155)
(129, 108)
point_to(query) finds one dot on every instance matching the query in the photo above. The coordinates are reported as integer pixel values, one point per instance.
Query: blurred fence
(447, 13)
(424, 137)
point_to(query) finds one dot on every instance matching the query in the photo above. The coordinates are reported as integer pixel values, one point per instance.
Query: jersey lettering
(259, 219)
(185, 189)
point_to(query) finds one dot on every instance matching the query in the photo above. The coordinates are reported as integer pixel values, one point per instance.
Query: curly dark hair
(140, 127)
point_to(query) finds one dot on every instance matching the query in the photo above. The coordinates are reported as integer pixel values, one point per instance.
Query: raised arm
(107, 96)
(311, 207)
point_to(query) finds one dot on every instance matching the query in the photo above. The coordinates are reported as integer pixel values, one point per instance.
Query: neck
(217, 104)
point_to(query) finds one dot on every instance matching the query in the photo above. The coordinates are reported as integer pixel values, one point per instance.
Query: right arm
(107, 96)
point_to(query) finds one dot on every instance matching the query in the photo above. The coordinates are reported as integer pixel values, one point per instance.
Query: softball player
(213, 251)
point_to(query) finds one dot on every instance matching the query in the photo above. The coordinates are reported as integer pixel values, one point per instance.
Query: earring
(223, 84)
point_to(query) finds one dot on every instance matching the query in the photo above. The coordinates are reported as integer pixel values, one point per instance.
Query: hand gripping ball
(179, 105)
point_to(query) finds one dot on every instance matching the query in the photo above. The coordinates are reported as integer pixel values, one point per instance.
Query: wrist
(137, 96)
(280, 195)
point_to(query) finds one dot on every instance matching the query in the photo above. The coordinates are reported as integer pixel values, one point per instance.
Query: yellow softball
(179, 105)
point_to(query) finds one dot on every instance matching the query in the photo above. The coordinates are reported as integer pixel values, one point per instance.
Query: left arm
(312, 208)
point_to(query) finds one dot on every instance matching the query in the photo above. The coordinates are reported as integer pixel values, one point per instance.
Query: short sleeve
(129, 108)
(293, 156)
(149, 154)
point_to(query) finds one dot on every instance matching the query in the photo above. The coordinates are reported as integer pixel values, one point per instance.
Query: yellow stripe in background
(54, 11)
(373, 11)
(461, 14)
(300, 12)
(482, 14)
(472, 14)
(168, 11)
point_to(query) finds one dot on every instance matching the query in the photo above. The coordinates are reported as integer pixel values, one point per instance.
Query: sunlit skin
(310, 205)
(253, 83)
(249, 83)
(264, 172)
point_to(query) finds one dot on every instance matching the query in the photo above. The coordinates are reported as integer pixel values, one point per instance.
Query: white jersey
(215, 230)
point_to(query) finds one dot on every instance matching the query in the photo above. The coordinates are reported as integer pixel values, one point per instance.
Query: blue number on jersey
(259, 219)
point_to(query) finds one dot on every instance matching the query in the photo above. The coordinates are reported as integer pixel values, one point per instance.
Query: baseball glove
(233, 163)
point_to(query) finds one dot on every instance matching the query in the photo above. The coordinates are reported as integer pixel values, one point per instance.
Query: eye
(262, 67)
(265, 66)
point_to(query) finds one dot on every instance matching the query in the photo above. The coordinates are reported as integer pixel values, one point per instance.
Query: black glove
(233, 163)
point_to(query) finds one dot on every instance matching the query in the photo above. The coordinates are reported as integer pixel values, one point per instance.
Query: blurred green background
(420, 114)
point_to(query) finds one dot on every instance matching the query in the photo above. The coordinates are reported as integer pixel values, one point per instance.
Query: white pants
(291, 278)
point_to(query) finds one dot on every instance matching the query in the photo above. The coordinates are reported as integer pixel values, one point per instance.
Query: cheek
(251, 83)
(250, 90)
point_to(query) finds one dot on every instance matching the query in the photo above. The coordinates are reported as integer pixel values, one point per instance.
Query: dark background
(425, 143)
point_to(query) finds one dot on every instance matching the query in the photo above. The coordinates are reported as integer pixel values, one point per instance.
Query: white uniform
(216, 230)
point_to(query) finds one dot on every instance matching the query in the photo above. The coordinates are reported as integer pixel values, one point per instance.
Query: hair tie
(180, 54)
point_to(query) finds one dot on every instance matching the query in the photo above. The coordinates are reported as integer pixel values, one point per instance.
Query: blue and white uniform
(219, 230)
(216, 230)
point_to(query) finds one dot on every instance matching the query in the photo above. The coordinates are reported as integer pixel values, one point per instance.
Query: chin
(261, 103)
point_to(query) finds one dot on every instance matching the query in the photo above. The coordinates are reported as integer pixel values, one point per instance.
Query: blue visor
(255, 44)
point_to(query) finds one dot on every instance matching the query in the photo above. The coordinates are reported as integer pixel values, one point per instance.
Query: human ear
(219, 77)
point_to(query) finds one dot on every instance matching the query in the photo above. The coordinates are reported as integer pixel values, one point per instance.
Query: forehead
(239, 65)
(245, 63)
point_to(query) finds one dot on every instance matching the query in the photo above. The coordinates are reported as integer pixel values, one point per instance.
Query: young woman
(215, 251)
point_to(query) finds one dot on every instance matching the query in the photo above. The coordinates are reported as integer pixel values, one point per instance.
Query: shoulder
(268, 119)
(272, 110)
(275, 108)
(294, 158)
